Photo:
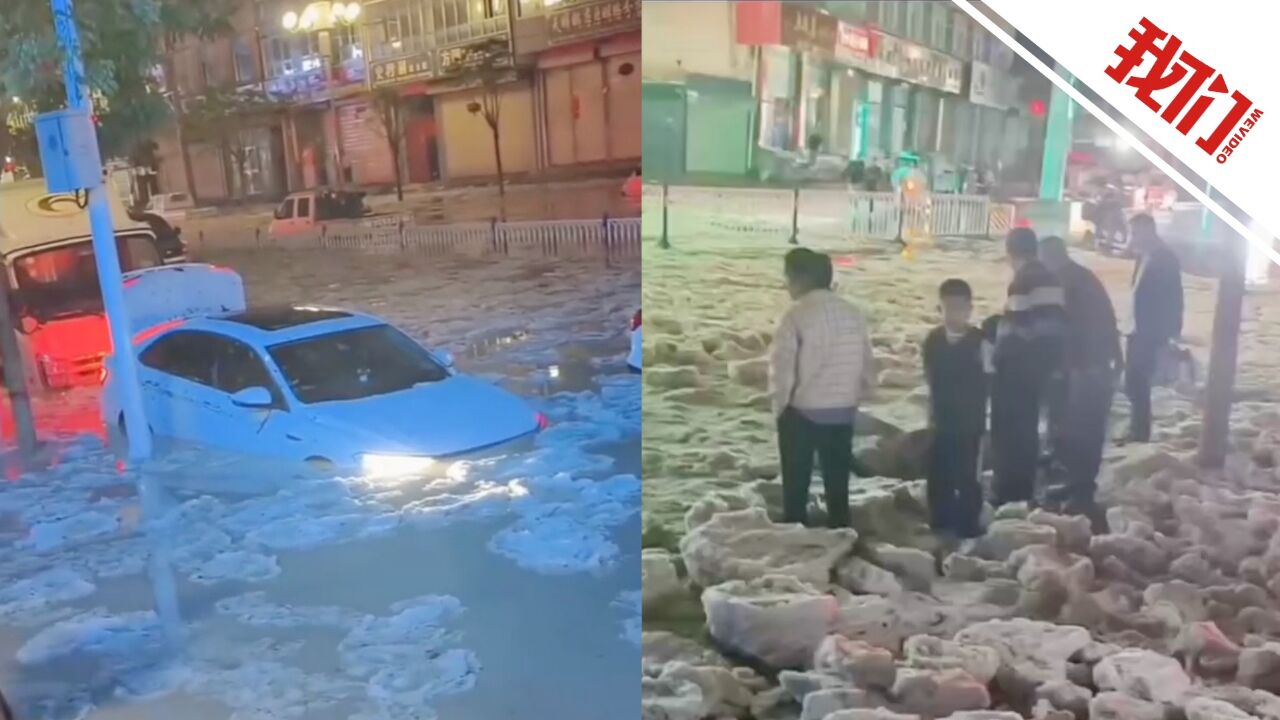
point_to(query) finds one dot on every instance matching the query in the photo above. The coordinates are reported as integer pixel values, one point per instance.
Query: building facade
(856, 79)
(565, 74)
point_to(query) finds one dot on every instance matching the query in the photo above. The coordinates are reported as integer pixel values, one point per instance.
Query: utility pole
(105, 253)
(124, 364)
(1220, 380)
(1057, 144)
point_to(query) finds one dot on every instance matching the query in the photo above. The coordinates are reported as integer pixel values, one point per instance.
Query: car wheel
(320, 464)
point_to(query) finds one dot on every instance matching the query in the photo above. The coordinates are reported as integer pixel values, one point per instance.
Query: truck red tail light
(635, 321)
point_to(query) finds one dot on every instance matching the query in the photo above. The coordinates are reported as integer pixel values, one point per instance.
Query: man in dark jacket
(1028, 352)
(1082, 404)
(1157, 318)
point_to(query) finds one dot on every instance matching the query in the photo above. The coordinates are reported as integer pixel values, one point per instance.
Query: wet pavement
(501, 588)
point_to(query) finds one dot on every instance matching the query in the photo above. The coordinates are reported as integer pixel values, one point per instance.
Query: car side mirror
(253, 397)
(445, 358)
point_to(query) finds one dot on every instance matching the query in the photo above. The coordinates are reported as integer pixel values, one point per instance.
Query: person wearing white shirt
(820, 369)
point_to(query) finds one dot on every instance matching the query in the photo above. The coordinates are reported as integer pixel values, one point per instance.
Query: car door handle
(292, 437)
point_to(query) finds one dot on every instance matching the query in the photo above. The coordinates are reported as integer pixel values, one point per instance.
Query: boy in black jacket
(955, 368)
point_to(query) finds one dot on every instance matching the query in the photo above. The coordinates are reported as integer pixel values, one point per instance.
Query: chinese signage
(988, 86)
(1189, 74)
(440, 63)
(806, 29)
(490, 53)
(903, 60)
(854, 42)
(588, 19)
(389, 72)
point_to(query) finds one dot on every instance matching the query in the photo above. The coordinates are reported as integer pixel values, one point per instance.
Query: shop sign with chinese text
(390, 72)
(804, 28)
(581, 20)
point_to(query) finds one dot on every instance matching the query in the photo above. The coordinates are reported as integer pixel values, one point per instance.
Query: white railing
(607, 238)
(813, 213)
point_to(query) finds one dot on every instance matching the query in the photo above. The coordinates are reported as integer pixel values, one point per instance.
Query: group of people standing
(1055, 350)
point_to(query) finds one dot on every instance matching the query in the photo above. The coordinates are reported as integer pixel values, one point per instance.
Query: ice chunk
(46, 536)
(45, 588)
(127, 634)
(237, 565)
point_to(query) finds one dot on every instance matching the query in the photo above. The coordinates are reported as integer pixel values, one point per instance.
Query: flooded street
(348, 597)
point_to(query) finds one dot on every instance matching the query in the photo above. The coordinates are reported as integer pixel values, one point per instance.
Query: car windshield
(353, 364)
(63, 281)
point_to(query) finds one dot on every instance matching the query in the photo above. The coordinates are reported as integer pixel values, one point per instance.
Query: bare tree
(393, 121)
(489, 69)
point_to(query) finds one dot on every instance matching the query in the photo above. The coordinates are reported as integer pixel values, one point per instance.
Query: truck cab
(46, 246)
(304, 211)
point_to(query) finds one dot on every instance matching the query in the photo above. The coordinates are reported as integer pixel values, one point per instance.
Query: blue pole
(105, 253)
(124, 365)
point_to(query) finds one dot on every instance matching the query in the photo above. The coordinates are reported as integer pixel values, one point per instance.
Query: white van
(47, 250)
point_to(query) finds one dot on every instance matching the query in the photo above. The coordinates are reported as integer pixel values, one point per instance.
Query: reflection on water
(346, 597)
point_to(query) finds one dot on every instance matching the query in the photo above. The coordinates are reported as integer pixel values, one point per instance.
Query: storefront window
(916, 20)
(960, 38)
(397, 28)
(940, 34)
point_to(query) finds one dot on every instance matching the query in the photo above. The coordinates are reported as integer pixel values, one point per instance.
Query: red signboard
(771, 22)
(856, 41)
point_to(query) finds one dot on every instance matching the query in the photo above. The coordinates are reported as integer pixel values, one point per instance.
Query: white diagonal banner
(1193, 78)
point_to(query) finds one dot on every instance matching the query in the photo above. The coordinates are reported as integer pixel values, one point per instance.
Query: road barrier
(606, 238)
(1002, 218)
(675, 212)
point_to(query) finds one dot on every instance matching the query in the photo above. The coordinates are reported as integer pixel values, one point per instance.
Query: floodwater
(507, 587)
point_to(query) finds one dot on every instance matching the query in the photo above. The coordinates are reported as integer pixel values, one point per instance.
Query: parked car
(332, 388)
(173, 207)
(634, 358)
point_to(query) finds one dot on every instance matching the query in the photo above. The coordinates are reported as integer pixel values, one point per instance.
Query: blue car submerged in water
(332, 388)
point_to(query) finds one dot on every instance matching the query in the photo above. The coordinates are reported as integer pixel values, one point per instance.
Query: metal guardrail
(812, 213)
(607, 238)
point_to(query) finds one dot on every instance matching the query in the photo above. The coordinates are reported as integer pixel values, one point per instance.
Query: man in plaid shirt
(820, 369)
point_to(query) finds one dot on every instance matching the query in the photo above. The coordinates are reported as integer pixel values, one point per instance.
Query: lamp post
(322, 15)
(107, 259)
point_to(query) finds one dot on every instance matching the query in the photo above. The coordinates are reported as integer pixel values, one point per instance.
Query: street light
(322, 15)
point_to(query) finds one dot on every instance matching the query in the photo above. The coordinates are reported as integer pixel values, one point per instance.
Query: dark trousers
(1140, 364)
(955, 495)
(799, 439)
(1017, 395)
(1079, 445)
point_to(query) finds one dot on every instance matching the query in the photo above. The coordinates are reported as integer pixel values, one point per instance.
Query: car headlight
(390, 465)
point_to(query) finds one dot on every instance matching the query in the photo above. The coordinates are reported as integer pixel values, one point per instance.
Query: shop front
(796, 45)
(444, 95)
(904, 95)
(588, 83)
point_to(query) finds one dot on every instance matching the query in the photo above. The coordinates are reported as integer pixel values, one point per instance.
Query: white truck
(47, 251)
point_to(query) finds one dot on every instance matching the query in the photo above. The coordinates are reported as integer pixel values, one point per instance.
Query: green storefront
(701, 127)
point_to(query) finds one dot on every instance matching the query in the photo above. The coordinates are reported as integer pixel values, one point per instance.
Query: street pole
(124, 364)
(1057, 145)
(15, 376)
(105, 253)
(1215, 423)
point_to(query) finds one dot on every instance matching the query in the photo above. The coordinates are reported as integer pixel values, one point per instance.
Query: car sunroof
(279, 318)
